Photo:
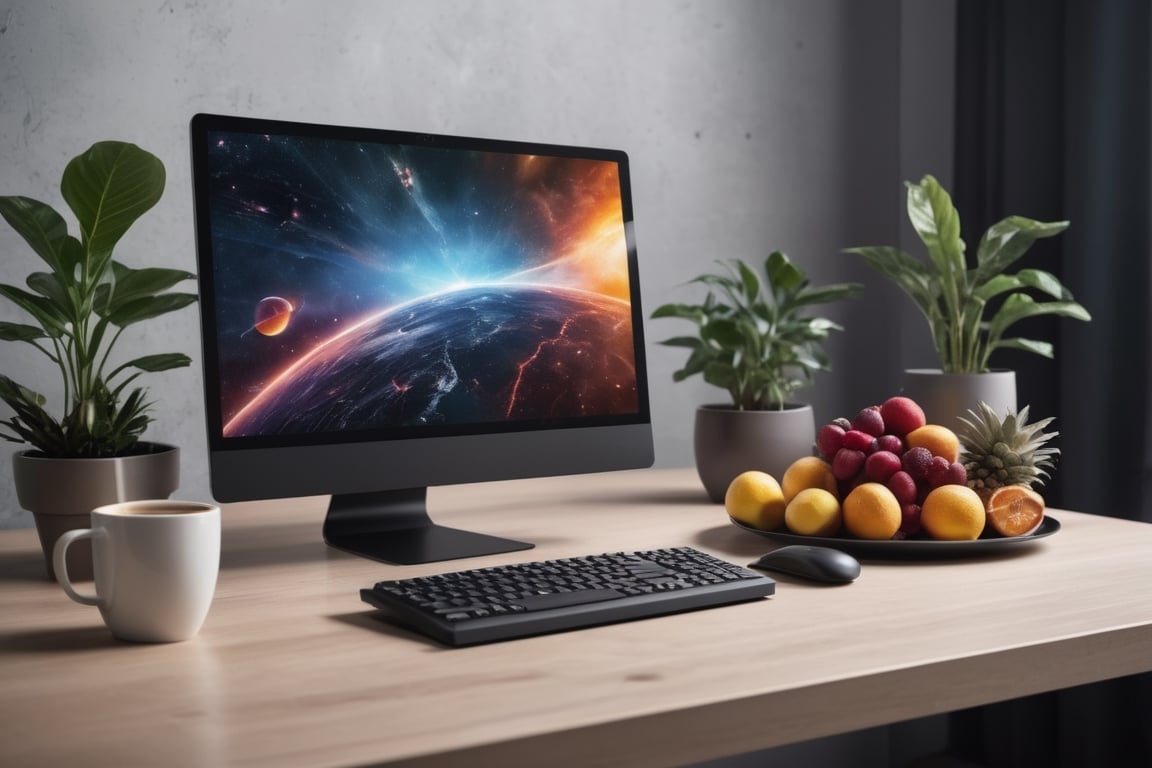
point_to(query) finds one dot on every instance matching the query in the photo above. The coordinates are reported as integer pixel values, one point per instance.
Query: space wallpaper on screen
(365, 286)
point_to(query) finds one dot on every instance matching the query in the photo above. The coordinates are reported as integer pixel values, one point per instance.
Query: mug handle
(60, 565)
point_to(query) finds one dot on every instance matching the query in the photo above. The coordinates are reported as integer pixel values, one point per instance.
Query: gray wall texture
(752, 125)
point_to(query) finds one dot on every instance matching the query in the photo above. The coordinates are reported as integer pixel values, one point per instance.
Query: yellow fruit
(1014, 510)
(813, 512)
(938, 439)
(808, 472)
(871, 511)
(754, 498)
(953, 513)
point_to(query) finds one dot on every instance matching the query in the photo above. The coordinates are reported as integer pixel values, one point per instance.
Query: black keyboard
(510, 601)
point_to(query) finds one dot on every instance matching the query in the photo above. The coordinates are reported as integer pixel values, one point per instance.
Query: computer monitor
(383, 311)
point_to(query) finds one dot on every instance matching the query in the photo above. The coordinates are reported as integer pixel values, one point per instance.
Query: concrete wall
(752, 125)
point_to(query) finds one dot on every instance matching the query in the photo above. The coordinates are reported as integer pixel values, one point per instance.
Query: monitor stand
(394, 527)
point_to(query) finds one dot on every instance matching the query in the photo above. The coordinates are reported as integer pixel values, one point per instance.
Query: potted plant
(90, 452)
(970, 311)
(755, 340)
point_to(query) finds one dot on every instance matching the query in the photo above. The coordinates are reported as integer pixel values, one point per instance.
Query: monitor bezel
(241, 468)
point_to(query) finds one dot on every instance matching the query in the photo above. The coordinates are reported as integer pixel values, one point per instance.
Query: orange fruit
(871, 511)
(808, 472)
(937, 438)
(754, 498)
(953, 513)
(1014, 510)
(813, 512)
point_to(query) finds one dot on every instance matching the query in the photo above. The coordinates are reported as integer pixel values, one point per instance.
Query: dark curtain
(1052, 111)
(1053, 123)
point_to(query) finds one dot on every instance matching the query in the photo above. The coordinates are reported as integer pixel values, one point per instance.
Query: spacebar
(562, 599)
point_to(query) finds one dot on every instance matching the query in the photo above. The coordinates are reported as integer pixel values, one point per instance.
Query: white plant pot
(947, 396)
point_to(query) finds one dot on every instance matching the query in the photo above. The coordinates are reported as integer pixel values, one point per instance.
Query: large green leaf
(782, 274)
(1042, 348)
(825, 294)
(39, 225)
(697, 361)
(130, 418)
(1019, 306)
(913, 276)
(937, 222)
(686, 311)
(726, 334)
(20, 332)
(131, 284)
(1044, 282)
(161, 362)
(719, 281)
(1007, 240)
(750, 281)
(148, 307)
(108, 188)
(720, 374)
(689, 342)
(30, 422)
(50, 286)
(996, 285)
(52, 318)
(71, 256)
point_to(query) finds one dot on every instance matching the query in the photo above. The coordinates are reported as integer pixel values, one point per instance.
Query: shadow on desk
(58, 640)
(672, 496)
(282, 544)
(377, 622)
(735, 543)
(23, 566)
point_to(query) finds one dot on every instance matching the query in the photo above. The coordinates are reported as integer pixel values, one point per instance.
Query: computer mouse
(825, 564)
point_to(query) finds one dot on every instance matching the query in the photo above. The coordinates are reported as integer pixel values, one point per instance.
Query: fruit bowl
(888, 484)
(912, 548)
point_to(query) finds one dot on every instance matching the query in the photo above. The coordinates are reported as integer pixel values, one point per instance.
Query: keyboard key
(571, 597)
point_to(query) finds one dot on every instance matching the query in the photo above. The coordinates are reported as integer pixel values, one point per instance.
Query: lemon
(953, 513)
(808, 472)
(871, 511)
(813, 512)
(755, 498)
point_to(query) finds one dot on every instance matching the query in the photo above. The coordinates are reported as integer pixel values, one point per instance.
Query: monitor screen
(384, 311)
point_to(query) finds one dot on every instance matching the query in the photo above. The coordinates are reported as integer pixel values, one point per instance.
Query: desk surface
(292, 669)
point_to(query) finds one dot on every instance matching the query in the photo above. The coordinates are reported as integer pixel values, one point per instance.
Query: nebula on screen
(367, 286)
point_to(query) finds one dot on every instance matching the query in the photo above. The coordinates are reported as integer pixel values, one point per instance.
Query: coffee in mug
(155, 564)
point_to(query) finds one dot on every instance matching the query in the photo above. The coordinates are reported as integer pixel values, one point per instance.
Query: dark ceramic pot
(729, 441)
(61, 493)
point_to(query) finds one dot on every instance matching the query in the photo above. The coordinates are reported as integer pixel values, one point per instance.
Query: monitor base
(394, 527)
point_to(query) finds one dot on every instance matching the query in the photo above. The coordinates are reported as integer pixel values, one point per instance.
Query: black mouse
(817, 563)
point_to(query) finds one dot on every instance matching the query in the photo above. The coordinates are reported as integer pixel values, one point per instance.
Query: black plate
(920, 548)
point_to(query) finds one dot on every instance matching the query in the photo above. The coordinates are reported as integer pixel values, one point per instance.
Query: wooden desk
(292, 669)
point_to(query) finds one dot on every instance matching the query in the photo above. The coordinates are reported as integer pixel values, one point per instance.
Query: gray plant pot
(947, 396)
(61, 493)
(729, 441)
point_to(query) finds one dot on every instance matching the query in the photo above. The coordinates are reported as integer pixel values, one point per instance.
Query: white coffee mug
(155, 564)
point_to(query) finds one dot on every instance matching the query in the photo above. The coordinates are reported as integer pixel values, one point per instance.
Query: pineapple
(998, 452)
